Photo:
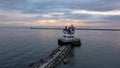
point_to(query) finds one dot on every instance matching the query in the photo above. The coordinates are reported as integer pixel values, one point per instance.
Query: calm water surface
(20, 47)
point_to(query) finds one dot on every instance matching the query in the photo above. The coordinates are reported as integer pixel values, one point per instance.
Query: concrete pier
(57, 56)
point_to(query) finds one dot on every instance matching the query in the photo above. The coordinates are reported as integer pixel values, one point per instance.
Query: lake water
(21, 47)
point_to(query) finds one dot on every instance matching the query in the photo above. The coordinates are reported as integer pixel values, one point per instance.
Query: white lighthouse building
(68, 33)
(68, 36)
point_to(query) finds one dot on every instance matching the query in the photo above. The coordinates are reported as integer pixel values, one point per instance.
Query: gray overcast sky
(60, 12)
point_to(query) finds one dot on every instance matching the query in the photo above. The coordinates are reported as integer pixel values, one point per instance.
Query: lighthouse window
(64, 36)
(70, 37)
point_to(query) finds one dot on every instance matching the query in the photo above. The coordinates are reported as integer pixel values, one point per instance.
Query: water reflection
(71, 55)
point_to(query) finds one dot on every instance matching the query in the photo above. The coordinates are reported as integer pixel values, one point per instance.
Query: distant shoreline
(80, 29)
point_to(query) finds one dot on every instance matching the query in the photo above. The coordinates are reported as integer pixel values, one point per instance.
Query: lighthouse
(68, 33)
(68, 36)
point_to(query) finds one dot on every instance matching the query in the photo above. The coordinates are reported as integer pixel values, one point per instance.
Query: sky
(59, 12)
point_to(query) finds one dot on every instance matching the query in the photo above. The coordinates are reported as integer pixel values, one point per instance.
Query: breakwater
(55, 57)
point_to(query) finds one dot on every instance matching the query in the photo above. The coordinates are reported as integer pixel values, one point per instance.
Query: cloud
(52, 5)
(11, 15)
(49, 15)
(113, 12)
